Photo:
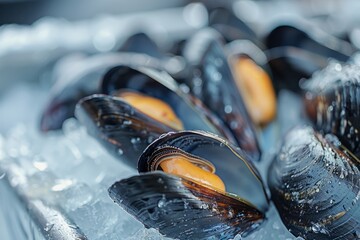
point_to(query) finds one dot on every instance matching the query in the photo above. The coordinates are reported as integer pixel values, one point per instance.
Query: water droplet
(231, 213)
(234, 124)
(338, 67)
(162, 202)
(134, 140)
(217, 76)
(315, 228)
(2, 175)
(120, 151)
(127, 122)
(228, 109)
(197, 81)
(184, 88)
(160, 180)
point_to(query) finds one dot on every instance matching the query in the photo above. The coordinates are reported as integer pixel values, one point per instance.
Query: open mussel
(194, 185)
(253, 79)
(332, 101)
(84, 79)
(250, 74)
(220, 93)
(315, 186)
(295, 53)
(146, 103)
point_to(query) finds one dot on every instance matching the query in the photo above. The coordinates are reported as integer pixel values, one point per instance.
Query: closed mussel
(144, 104)
(297, 51)
(332, 101)
(194, 185)
(315, 186)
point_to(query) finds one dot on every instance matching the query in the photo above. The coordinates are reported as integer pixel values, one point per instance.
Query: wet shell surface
(182, 208)
(332, 101)
(316, 186)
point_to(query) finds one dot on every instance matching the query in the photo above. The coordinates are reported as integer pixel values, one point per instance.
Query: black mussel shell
(83, 81)
(290, 64)
(295, 53)
(332, 101)
(312, 39)
(315, 187)
(181, 208)
(218, 91)
(193, 114)
(121, 129)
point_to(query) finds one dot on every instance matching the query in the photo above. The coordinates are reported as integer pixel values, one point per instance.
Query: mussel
(295, 53)
(83, 79)
(145, 103)
(219, 93)
(213, 83)
(332, 101)
(252, 76)
(315, 186)
(181, 188)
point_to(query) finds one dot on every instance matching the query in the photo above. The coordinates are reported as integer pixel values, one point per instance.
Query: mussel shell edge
(182, 209)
